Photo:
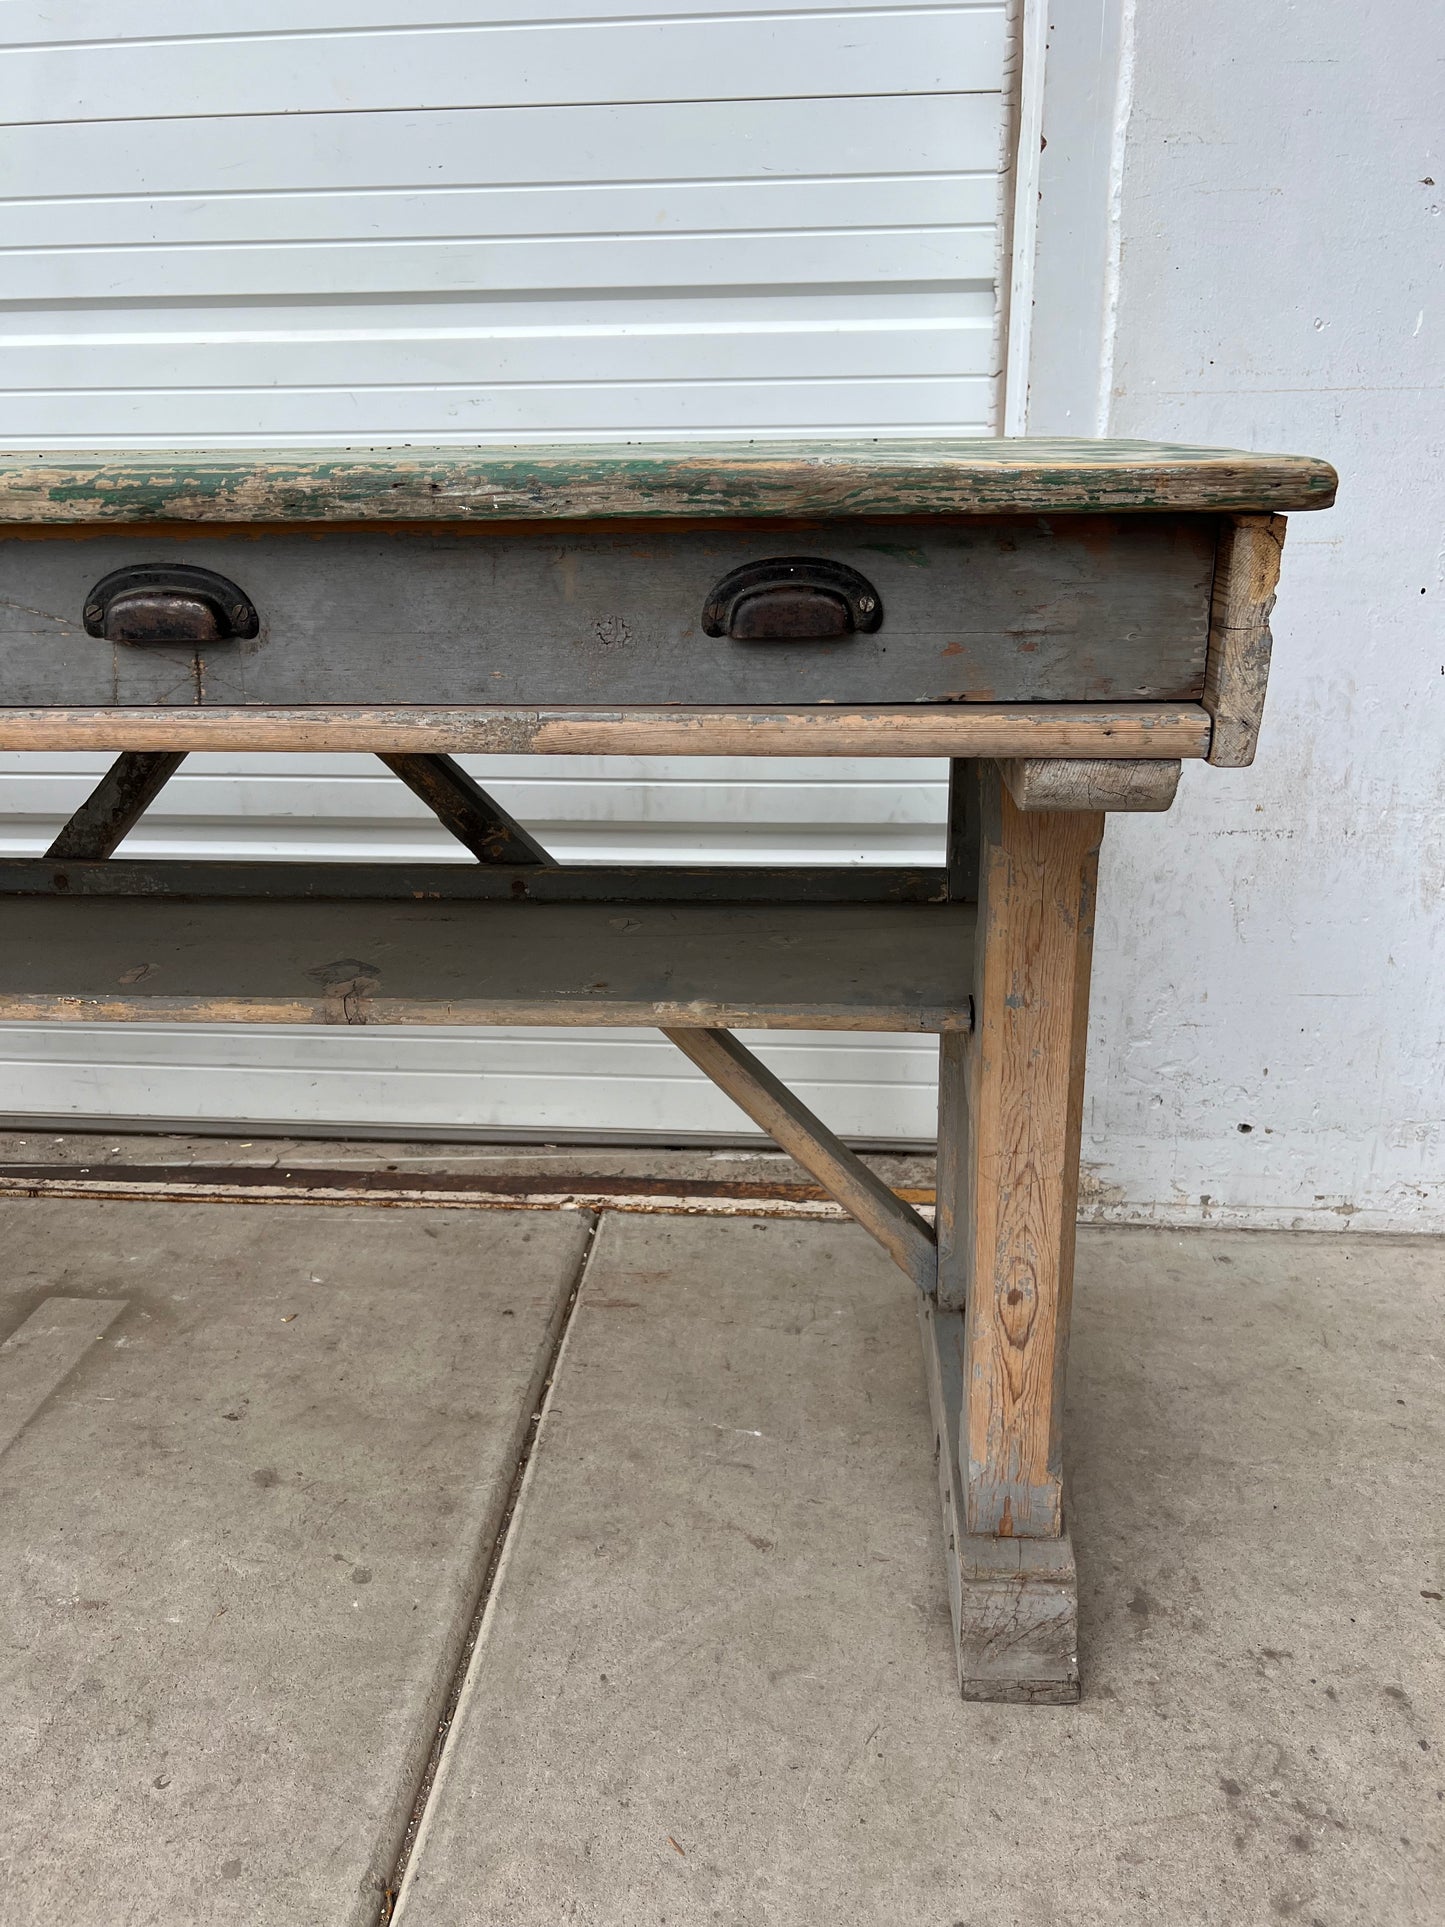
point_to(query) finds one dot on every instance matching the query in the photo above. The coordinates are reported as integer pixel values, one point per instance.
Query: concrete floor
(254, 1466)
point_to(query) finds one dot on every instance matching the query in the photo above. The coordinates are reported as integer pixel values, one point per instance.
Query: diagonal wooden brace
(906, 1237)
(464, 807)
(122, 796)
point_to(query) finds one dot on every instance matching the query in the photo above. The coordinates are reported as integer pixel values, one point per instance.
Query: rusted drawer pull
(793, 598)
(168, 602)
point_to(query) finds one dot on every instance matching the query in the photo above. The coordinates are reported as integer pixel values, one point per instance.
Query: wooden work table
(1067, 622)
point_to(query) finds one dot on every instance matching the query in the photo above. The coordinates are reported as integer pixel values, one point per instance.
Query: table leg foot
(1014, 1601)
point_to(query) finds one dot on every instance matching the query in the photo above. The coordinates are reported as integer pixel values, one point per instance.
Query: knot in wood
(1018, 1303)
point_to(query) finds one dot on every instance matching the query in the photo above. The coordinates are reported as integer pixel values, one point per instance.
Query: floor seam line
(431, 1772)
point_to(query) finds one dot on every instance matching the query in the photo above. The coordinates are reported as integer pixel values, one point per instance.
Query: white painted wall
(1259, 260)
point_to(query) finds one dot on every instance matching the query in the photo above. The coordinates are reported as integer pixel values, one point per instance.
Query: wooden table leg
(1011, 1103)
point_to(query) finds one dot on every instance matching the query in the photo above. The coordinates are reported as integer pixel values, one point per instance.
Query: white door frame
(1074, 100)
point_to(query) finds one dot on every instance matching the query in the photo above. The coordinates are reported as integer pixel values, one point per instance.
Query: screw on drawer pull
(792, 598)
(168, 602)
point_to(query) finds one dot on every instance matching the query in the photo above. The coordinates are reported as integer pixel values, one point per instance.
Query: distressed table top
(690, 480)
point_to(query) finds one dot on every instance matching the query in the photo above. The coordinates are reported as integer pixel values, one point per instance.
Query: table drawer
(1067, 609)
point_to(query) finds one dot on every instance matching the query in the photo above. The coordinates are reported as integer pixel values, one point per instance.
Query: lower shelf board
(866, 967)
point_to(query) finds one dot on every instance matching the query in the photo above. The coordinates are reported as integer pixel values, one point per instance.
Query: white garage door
(311, 222)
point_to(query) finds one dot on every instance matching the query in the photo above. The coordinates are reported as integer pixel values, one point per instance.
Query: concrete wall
(1258, 254)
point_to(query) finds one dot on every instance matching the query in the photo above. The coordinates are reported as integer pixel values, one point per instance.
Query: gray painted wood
(905, 1236)
(953, 1184)
(954, 1206)
(1014, 1601)
(808, 966)
(1064, 609)
(554, 883)
(117, 803)
(961, 858)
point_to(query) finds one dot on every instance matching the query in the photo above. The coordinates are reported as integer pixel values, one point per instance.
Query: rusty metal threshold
(404, 1190)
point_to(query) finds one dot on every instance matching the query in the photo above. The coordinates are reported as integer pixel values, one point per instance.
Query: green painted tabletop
(644, 480)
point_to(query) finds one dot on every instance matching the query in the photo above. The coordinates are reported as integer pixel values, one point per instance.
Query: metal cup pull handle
(795, 598)
(172, 602)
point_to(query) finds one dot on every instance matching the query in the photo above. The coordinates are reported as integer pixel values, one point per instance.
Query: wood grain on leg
(1023, 1094)
(995, 1335)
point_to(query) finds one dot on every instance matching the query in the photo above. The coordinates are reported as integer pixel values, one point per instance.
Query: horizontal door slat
(452, 1083)
(512, 65)
(564, 263)
(156, 22)
(908, 202)
(799, 352)
(165, 418)
(588, 146)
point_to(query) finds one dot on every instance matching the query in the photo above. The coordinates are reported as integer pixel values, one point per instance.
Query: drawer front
(1080, 609)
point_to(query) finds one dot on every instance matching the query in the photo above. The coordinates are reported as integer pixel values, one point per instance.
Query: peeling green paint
(689, 480)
